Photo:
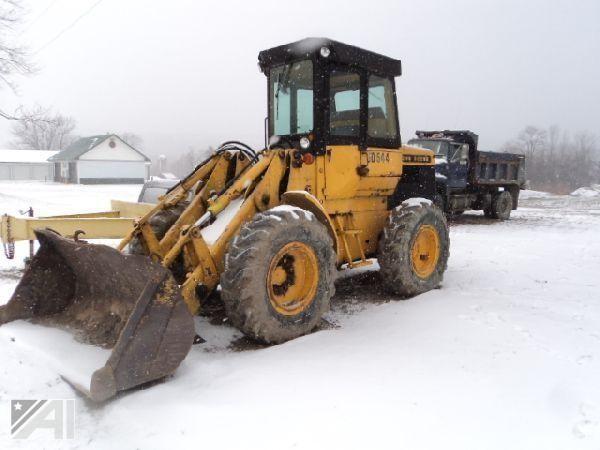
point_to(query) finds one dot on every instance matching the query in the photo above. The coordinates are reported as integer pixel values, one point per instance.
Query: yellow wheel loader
(332, 189)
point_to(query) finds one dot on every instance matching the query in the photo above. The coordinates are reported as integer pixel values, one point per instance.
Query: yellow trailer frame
(113, 224)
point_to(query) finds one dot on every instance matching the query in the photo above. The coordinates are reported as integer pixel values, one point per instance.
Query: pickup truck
(467, 178)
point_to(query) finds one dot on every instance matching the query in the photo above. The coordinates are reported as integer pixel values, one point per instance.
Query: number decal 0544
(378, 157)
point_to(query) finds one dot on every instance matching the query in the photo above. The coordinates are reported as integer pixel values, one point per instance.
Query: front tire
(279, 274)
(414, 249)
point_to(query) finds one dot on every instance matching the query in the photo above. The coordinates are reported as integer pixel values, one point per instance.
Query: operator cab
(322, 92)
(453, 151)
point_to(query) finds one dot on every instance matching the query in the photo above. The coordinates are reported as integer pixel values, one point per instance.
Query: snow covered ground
(506, 355)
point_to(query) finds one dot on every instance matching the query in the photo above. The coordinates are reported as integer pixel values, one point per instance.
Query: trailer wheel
(414, 249)
(502, 204)
(279, 275)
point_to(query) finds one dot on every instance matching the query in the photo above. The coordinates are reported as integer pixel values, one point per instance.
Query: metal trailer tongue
(125, 303)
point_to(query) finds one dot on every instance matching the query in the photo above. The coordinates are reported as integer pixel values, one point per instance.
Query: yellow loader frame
(346, 189)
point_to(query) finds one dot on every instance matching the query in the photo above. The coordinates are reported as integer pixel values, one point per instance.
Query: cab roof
(340, 52)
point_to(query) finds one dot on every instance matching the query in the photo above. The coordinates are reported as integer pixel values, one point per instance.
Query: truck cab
(467, 178)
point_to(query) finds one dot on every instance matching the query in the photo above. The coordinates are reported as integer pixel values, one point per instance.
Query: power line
(39, 16)
(68, 27)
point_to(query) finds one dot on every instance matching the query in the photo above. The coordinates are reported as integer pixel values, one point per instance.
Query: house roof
(26, 156)
(84, 145)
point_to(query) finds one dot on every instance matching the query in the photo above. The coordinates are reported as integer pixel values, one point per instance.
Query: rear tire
(279, 274)
(502, 204)
(414, 249)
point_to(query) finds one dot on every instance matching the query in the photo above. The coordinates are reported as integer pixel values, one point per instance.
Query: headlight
(325, 52)
(304, 143)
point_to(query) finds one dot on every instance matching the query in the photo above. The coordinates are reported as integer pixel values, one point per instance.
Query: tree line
(556, 160)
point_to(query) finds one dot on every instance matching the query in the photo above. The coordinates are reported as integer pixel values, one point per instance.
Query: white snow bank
(505, 355)
(592, 191)
(416, 201)
(71, 359)
(295, 211)
(528, 193)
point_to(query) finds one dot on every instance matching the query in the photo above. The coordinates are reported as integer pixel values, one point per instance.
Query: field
(505, 355)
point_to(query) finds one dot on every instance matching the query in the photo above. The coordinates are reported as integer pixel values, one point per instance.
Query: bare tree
(532, 139)
(13, 57)
(556, 161)
(132, 139)
(185, 162)
(42, 129)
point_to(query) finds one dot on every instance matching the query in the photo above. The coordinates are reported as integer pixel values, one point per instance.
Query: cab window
(382, 109)
(291, 104)
(344, 103)
(459, 152)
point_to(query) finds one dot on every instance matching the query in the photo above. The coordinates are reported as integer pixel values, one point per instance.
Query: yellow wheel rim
(425, 251)
(293, 278)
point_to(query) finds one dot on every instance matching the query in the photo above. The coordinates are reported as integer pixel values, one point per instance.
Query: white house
(100, 159)
(26, 165)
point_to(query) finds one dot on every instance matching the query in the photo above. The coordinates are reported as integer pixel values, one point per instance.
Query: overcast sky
(182, 73)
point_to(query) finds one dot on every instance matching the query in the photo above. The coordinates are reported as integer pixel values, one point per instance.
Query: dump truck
(467, 178)
(333, 189)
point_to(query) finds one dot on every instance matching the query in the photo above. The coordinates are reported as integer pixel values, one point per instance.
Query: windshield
(291, 105)
(435, 146)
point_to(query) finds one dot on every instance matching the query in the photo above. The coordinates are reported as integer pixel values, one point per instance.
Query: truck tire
(414, 249)
(279, 275)
(439, 201)
(502, 205)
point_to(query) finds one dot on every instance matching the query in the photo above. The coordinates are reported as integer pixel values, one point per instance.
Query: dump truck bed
(497, 168)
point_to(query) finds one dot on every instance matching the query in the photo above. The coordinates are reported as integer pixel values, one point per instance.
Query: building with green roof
(101, 159)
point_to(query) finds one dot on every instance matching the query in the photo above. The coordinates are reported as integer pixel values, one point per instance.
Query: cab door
(382, 159)
(342, 154)
(363, 158)
(458, 166)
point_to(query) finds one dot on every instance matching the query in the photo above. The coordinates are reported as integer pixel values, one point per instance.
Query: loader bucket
(125, 303)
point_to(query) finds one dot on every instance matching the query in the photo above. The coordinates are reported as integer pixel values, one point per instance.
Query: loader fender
(309, 202)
